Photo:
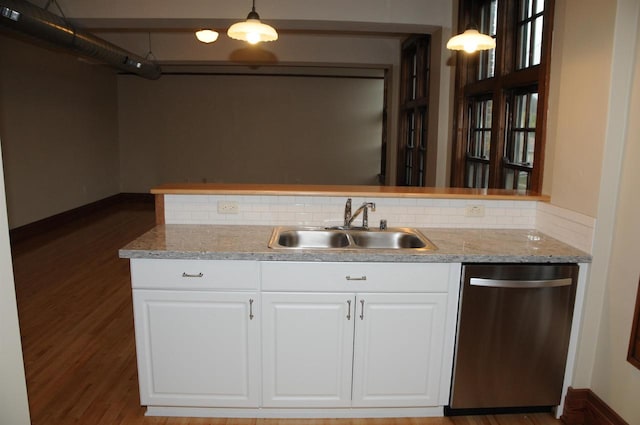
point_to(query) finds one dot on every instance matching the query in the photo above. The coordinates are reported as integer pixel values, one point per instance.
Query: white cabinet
(307, 349)
(224, 338)
(196, 347)
(398, 349)
(354, 349)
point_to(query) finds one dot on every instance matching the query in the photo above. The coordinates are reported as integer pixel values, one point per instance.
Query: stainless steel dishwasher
(514, 323)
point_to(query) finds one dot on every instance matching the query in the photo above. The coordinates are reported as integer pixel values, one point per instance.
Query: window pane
(524, 38)
(529, 43)
(414, 76)
(526, 9)
(421, 170)
(533, 110)
(479, 141)
(521, 137)
(508, 179)
(408, 168)
(537, 41)
(488, 25)
(523, 180)
(470, 173)
(518, 147)
(411, 130)
(423, 129)
(531, 145)
(539, 7)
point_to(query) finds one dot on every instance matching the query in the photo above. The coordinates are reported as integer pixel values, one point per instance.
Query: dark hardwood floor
(76, 321)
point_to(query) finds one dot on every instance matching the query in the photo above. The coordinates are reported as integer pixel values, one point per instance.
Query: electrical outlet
(474, 211)
(227, 207)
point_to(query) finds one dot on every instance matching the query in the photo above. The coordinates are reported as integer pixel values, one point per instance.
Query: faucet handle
(347, 212)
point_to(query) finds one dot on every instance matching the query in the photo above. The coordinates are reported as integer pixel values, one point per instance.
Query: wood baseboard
(21, 233)
(584, 407)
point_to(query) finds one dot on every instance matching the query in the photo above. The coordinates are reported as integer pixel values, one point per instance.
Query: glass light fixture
(471, 40)
(252, 30)
(206, 35)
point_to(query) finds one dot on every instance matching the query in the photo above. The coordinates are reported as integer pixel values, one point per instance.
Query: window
(414, 112)
(501, 96)
(479, 142)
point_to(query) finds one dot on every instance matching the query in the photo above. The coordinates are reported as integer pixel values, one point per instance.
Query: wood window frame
(634, 344)
(506, 78)
(414, 99)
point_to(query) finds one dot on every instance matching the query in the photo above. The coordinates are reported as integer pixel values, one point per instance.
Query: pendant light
(471, 40)
(252, 30)
(206, 35)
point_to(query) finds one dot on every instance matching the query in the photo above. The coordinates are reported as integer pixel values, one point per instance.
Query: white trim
(213, 412)
(570, 367)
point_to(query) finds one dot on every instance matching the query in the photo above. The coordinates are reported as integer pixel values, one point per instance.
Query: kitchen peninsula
(226, 326)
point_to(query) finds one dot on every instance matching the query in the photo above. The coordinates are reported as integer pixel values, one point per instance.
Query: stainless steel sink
(309, 238)
(400, 238)
(390, 239)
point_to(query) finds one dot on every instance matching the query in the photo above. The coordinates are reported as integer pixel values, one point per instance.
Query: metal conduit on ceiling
(40, 25)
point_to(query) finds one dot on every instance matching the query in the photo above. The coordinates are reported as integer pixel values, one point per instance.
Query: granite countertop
(216, 242)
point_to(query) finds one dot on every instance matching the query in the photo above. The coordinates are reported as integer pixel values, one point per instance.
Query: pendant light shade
(207, 36)
(470, 41)
(252, 30)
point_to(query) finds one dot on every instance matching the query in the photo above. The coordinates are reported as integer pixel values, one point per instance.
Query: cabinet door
(398, 349)
(197, 348)
(307, 349)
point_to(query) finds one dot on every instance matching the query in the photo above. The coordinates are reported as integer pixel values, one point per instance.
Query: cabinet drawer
(354, 277)
(194, 274)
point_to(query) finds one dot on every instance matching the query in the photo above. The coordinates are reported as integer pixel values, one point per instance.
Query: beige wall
(592, 129)
(14, 408)
(614, 379)
(579, 101)
(249, 129)
(58, 124)
(304, 50)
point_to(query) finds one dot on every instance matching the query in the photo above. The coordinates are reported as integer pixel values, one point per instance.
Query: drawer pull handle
(348, 309)
(356, 278)
(184, 274)
(362, 310)
(250, 309)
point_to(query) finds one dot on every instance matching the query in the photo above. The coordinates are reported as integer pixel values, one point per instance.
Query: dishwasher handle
(509, 283)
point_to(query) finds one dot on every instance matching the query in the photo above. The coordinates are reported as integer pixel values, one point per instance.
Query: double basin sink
(399, 238)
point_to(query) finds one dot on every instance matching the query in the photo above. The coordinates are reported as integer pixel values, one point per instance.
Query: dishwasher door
(514, 323)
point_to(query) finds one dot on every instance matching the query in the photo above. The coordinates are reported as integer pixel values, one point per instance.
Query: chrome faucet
(364, 209)
(347, 213)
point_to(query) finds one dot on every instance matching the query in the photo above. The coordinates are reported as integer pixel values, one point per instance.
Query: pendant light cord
(46, 7)
(150, 56)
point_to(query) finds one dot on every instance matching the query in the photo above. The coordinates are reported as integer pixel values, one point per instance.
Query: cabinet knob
(250, 309)
(348, 309)
(361, 309)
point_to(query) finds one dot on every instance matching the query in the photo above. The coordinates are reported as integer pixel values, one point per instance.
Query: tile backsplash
(323, 210)
(567, 226)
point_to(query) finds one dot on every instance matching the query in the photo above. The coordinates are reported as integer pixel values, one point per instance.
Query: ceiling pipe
(27, 19)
